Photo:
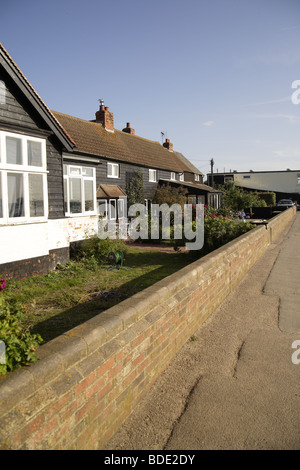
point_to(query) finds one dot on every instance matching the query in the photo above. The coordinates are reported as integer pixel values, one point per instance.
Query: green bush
(237, 199)
(219, 230)
(95, 249)
(20, 344)
(268, 197)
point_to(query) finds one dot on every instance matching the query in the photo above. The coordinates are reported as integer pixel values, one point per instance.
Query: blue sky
(215, 76)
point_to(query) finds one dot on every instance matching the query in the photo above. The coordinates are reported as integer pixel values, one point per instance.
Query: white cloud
(208, 123)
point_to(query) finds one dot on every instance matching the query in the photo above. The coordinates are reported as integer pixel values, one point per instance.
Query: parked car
(285, 203)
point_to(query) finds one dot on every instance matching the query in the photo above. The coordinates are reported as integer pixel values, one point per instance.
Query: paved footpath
(236, 384)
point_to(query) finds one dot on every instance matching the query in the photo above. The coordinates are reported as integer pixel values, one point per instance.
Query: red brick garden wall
(89, 380)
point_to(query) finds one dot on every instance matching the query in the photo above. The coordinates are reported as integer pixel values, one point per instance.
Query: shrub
(237, 199)
(268, 197)
(170, 195)
(20, 344)
(95, 249)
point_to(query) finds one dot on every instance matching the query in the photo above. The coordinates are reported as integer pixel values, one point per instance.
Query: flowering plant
(2, 284)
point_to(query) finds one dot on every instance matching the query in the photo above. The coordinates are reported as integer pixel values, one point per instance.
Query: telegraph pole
(212, 172)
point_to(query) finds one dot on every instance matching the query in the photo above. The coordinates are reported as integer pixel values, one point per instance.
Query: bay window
(23, 178)
(79, 190)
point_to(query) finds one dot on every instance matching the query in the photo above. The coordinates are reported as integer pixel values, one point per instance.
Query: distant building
(285, 184)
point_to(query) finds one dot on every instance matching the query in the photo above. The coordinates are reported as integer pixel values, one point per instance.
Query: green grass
(69, 296)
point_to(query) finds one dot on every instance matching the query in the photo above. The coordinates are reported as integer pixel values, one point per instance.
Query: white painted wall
(30, 240)
(61, 232)
(284, 182)
(23, 241)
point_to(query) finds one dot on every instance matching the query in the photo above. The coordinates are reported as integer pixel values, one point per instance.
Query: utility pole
(212, 172)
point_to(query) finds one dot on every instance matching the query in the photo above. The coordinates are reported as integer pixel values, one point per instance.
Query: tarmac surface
(235, 385)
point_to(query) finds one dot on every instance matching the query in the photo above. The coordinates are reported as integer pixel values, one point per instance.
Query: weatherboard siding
(15, 117)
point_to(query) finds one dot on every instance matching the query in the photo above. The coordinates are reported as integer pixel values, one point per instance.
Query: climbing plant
(135, 189)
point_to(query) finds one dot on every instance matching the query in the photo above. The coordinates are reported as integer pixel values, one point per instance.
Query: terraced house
(56, 171)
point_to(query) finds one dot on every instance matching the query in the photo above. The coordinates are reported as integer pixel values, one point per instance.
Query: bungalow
(57, 171)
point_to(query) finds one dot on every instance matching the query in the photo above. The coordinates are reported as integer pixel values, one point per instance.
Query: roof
(200, 186)
(109, 190)
(92, 139)
(193, 169)
(30, 93)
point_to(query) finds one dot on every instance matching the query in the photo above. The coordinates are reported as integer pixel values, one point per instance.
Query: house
(285, 184)
(58, 171)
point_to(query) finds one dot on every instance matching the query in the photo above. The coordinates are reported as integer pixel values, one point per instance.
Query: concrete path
(236, 383)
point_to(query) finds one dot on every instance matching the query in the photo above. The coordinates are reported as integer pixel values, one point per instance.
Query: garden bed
(72, 294)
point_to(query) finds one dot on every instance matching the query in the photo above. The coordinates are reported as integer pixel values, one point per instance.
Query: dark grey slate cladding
(20, 116)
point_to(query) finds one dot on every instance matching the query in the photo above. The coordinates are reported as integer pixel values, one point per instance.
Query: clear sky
(215, 76)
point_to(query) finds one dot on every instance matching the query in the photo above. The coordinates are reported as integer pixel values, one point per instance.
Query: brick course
(88, 381)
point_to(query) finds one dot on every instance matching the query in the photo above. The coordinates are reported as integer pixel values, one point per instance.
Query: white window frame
(121, 208)
(173, 176)
(181, 176)
(197, 177)
(111, 167)
(101, 202)
(152, 176)
(67, 176)
(110, 211)
(25, 170)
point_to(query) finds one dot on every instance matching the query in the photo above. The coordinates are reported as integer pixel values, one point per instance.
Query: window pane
(13, 151)
(36, 195)
(75, 171)
(112, 209)
(15, 195)
(152, 175)
(88, 195)
(121, 213)
(75, 195)
(34, 153)
(102, 208)
(113, 170)
(109, 169)
(86, 171)
(1, 213)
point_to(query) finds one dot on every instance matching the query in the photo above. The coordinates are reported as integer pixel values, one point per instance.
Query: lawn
(68, 296)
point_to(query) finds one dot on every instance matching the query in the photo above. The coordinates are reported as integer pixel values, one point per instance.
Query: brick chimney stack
(128, 129)
(105, 117)
(168, 145)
